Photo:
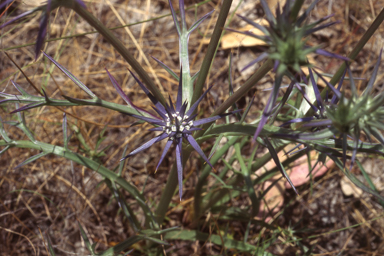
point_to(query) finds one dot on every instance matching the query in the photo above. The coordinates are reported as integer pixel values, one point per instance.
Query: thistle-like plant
(360, 113)
(286, 38)
(174, 121)
(287, 35)
(347, 118)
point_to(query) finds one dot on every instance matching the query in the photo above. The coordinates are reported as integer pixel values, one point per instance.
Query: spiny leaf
(119, 89)
(278, 163)
(23, 126)
(50, 248)
(373, 76)
(31, 159)
(168, 69)
(3, 133)
(197, 23)
(355, 180)
(174, 17)
(85, 238)
(72, 77)
(65, 131)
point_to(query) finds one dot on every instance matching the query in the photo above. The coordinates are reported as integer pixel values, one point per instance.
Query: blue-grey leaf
(72, 77)
(31, 159)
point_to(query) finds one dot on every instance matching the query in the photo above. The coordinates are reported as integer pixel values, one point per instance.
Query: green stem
(216, 35)
(205, 173)
(246, 171)
(296, 9)
(184, 60)
(171, 185)
(259, 74)
(214, 197)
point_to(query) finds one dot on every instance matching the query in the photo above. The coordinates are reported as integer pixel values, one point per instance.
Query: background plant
(211, 210)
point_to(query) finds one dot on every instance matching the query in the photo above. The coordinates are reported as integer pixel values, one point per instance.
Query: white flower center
(177, 124)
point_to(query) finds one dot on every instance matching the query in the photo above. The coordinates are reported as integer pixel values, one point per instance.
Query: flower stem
(211, 50)
(259, 74)
(205, 173)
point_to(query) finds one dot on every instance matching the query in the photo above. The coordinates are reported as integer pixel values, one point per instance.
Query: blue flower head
(174, 121)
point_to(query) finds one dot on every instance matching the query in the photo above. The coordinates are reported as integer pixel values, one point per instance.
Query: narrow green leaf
(265, 191)
(151, 232)
(197, 23)
(72, 77)
(129, 214)
(121, 246)
(246, 175)
(247, 231)
(143, 235)
(121, 164)
(247, 110)
(102, 103)
(23, 126)
(155, 240)
(278, 163)
(20, 89)
(65, 131)
(86, 240)
(355, 180)
(168, 69)
(101, 138)
(3, 133)
(4, 149)
(366, 176)
(217, 142)
(211, 50)
(31, 159)
(377, 134)
(50, 248)
(193, 235)
(368, 179)
(195, 76)
(219, 179)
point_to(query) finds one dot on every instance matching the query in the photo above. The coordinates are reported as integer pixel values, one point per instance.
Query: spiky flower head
(286, 36)
(359, 113)
(174, 122)
(348, 118)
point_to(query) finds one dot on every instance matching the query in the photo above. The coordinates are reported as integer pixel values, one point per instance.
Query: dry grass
(49, 196)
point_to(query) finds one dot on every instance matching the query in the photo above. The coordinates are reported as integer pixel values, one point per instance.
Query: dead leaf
(27, 5)
(233, 39)
(349, 188)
